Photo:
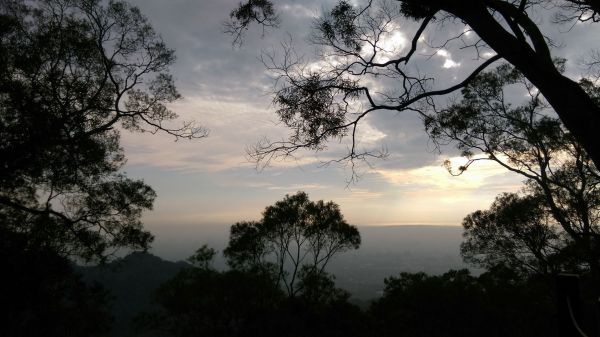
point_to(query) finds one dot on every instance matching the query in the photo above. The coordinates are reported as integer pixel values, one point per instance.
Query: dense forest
(77, 74)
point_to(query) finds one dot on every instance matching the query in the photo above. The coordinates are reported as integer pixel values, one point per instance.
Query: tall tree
(73, 74)
(317, 104)
(528, 140)
(295, 237)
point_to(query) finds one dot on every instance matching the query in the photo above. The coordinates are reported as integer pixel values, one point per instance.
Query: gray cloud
(227, 88)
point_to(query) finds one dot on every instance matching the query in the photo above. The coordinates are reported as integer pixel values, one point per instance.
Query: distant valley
(385, 251)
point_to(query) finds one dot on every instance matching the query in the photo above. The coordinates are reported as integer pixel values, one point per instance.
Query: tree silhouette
(497, 303)
(73, 74)
(204, 301)
(203, 257)
(321, 105)
(293, 234)
(44, 296)
(527, 140)
(517, 232)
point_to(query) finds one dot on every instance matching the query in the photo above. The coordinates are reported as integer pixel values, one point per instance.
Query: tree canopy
(456, 303)
(295, 237)
(74, 74)
(558, 211)
(200, 300)
(517, 232)
(45, 296)
(329, 102)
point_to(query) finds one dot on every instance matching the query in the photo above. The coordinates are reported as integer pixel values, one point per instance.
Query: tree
(517, 232)
(74, 73)
(294, 235)
(327, 103)
(203, 301)
(203, 257)
(562, 186)
(44, 296)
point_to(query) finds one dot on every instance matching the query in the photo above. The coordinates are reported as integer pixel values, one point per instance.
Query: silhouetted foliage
(203, 257)
(517, 232)
(559, 212)
(43, 296)
(293, 234)
(319, 287)
(71, 74)
(357, 52)
(497, 303)
(203, 301)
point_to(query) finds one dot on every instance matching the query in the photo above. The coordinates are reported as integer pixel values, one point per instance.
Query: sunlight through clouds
(448, 63)
(480, 175)
(391, 44)
(227, 91)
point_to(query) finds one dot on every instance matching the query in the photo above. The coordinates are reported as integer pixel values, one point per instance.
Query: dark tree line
(513, 297)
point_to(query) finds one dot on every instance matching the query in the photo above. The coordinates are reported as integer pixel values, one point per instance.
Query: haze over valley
(385, 251)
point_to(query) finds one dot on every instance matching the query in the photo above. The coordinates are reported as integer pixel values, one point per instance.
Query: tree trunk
(572, 104)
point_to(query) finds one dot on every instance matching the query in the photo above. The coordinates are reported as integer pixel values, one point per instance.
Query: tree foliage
(357, 62)
(204, 301)
(203, 257)
(456, 303)
(560, 209)
(295, 236)
(44, 296)
(517, 232)
(73, 74)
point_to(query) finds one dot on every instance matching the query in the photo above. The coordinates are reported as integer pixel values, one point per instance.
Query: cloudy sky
(227, 89)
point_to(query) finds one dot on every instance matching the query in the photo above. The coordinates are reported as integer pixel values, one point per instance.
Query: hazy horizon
(178, 241)
(385, 251)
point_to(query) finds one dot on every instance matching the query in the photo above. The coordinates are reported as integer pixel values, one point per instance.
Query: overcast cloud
(227, 89)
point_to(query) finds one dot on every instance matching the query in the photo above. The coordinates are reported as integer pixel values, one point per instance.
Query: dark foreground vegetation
(198, 300)
(76, 73)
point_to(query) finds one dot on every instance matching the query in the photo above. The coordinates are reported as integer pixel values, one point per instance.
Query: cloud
(298, 187)
(482, 175)
(360, 195)
(450, 64)
(227, 89)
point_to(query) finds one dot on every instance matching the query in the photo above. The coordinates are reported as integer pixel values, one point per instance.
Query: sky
(227, 89)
